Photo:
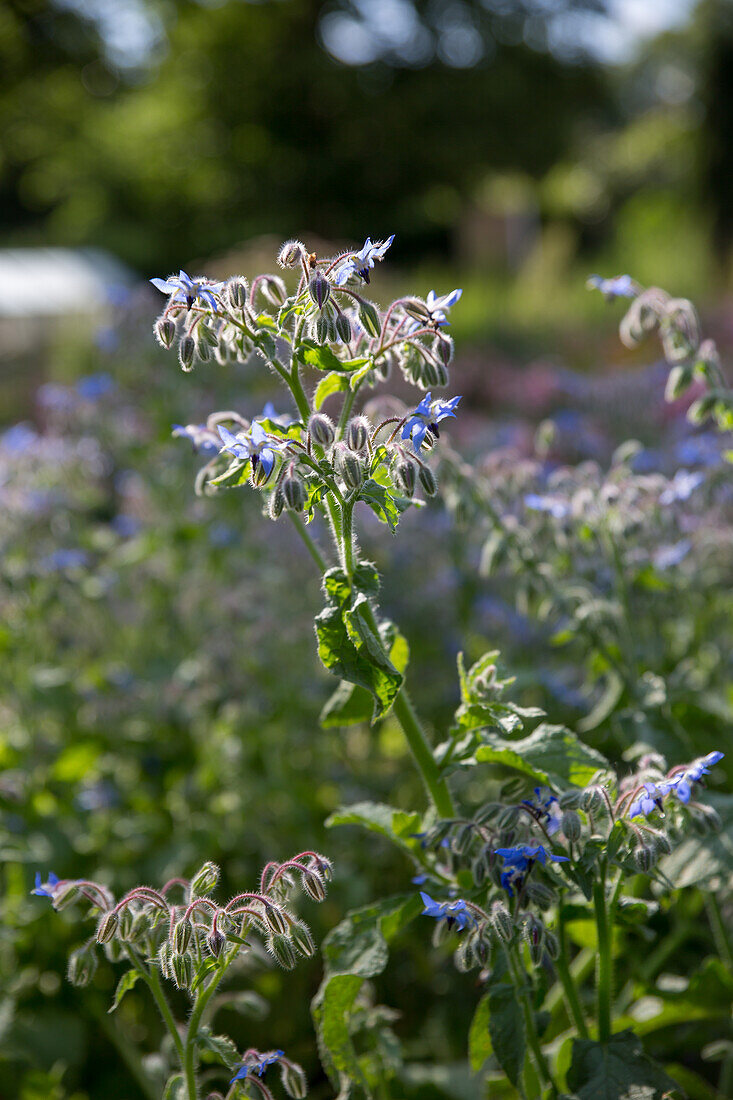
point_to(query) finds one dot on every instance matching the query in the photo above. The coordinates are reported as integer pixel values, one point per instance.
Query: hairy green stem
(721, 934)
(604, 974)
(202, 999)
(309, 542)
(518, 977)
(152, 980)
(566, 980)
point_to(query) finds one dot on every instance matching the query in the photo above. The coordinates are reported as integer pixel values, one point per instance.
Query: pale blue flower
(438, 304)
(647, 800)
(359, 263)
(258, 1066)
(426, 417)
(665, 557)
(46, 889)
(620, 286)
(255, 445)
(546, 809)
(682, 485)
(204, 440)
(182, 288)
(554, 506)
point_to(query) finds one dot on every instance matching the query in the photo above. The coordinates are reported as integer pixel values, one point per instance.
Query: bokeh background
(160, 693)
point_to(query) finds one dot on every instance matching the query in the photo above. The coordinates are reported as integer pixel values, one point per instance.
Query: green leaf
(349, 705)
(551, 754)
(377, 817)
(266, 345)
(697, 860)
(479, 1040)
(617, 1070)
(124, 985)
(506, 1022)
(348, 647)
(355, 950)
(385, 506)
(220, 1045)
(174, 1088)
(605, 706)
(321, 357)
(235, 475)
(334, 382)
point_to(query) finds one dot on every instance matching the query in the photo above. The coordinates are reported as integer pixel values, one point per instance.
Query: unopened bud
(571, 825)
(662, 844)
(313, 885)
(302, 939)
(277, 503)
(205, 879)
(294, 1080)
(552, 944)
(206, 336)
(501, 922)
(260, 474)
(427, 480)
(164, 959)
(181, 968)
(592, 799)
(165, 332)
(532, 930)
(480, 869)
(343, 327)
(182, 933)
(64, 896)
(348, 466)
(276, 919)
(463, 957)
(537, 951)
(283, 950)
(482, 950)
(508, 817)
(273, 290)
(186, 352)
(321, 429)
(238, 292)
(645, 857)
(357, 434)
(540, 894)
(406, 477)
(82, 965)
(369, 318)
(290, 254)
(700, 410)
(107, 926)
(216, 942)
(319, 288)
(462, 839)
(293, 492)
(127, 923)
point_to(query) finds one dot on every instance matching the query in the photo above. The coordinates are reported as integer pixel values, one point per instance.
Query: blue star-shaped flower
(426, 417)
(455, 912)
(255, 445)
(649, 799)
(182, 288)
(546, 809)
(45, 889)
(620, 286)
(359, 263)
(554, 506)
(258, 1066)
(523, 854)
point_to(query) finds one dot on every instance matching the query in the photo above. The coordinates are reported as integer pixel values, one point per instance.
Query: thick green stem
(347, 537)
(298, 392)
(345, 413)
(152, 980)
(604, 977)
(435, 785)
(566, 980)
(202, 999)
(518, 977)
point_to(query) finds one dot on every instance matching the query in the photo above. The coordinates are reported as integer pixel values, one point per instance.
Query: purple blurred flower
(620, 286)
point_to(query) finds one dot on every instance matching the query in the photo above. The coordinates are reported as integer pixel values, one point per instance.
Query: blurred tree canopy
(239, 121)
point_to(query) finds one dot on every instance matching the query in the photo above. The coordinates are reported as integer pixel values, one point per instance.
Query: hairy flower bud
(165, 332)
(463, 956)
(543, 896)
(571, 825)
(427, 480)
(182, 933)
(302, 939)
(238, 292)
(480, 868)
(293, 492)
(552, 944)
(406, 477)
(181, 968)
(164, 959)
(501, 922)
(216, 942)
(283, 950)
(107, 926)
(357, 434)
(645, 857)
(537, 951)
(319, 288)
(313, 885)
(321, 429)
(277, 503)
(205, 879)
(260, 474)
(276, 919)
(369, 319)
(186, 352)
(291, 254)
(127, 923)
(82, 965)
(64, 896)
(348, 466)
(294, 1080)
(273, 290)
(343, 327)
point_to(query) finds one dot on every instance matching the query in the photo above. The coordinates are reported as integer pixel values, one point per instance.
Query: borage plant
(513, 875)
(179, 933)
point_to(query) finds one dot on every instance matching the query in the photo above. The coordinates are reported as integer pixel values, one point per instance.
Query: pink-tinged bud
(165, 332)
(313, 885)
(216, 943)
(291, 254)
(107, 926)
(319, 288)
(276, 919)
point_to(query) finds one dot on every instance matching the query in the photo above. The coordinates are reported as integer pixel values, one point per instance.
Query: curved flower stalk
(180, 934)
